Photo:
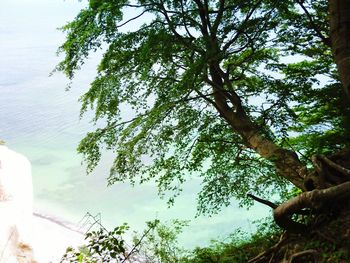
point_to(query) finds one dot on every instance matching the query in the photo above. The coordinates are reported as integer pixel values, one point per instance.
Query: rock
(16, 208)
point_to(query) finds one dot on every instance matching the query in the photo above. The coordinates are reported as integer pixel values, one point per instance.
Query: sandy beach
(51, 236)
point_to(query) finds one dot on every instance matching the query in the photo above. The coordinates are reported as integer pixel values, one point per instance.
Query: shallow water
(41, 120)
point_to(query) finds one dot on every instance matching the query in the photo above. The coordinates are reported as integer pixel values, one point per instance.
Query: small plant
(161, 241)
(102, 246)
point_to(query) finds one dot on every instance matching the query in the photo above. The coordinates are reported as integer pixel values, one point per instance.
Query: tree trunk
(339, 11)
(286, 162)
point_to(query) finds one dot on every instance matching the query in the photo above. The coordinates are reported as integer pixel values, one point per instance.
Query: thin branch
(132, 19)
(171, 27)
(218, 17)
(184, 21)
(187, 158)
(239, 32)
(204, 96)
(222, 141)
(263, 201)
(314, 26)
(177, 35)
(139, 242)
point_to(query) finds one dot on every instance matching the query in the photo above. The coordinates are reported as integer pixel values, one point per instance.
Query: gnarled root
(269, 253)
(309, 252)
(315, 200)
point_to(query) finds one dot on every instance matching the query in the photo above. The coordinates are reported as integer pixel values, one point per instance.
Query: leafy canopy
(273, 55)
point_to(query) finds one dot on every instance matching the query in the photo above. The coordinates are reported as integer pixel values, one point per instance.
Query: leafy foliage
(161, 244)
(158, 243)
(102, 246)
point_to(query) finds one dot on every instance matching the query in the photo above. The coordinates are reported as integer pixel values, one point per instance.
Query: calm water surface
(41, 120)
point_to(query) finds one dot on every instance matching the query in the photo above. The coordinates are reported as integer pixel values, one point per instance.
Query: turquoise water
(41, 120)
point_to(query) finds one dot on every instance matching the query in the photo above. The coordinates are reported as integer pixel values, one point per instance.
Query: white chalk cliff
(23, 237)
(16, 197)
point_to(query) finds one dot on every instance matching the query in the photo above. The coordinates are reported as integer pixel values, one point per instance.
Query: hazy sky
(41, 120)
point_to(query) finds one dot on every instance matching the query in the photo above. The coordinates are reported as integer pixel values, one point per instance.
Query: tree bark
(339, 11)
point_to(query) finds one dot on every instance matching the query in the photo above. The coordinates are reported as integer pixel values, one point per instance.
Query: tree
(244, 94)
(339, 34)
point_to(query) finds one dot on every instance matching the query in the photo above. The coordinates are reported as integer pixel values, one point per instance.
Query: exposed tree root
(315, 200)
(327, 243)
(304, 253)
(326, 201)
(337, 167)
(325, 237)
(269, 253)
(332, 182)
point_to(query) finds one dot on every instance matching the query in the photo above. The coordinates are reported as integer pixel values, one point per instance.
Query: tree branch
(132, 19)
(173, 29)
(263, 201)
(202, 15)
(314, 26)
(184, 21)
(240, 31)
(218, 18)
